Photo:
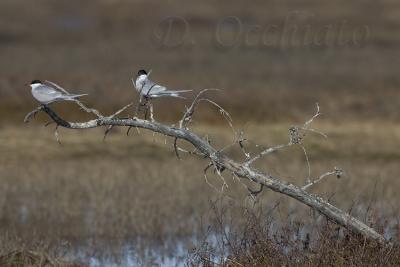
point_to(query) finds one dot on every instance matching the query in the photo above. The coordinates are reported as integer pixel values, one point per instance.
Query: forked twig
(337, 172)
(32, 114)
(206, 177)
(266, 152)
(109, 128)
(306, 125)
(187, 116)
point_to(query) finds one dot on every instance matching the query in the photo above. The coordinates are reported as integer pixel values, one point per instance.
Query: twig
(337, 172)
(218, 169)
(306, 125)
(56, 135)
(223, 112)
(187, 116)
(241, 141)
(107, 131)
(307, 161)
(189, 152)
(32, 114)
(317, 113)
(206, 177)
(266, 152)
(176, 148)
(256, 192)
(120, 111)
(109, 128)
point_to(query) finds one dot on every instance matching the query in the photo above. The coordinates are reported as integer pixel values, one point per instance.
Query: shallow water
(135, 254)
(179, 253)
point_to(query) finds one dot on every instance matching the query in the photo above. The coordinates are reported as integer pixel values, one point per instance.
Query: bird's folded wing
(156, 89)
(150, 88)
(49, 91)
(56, 87)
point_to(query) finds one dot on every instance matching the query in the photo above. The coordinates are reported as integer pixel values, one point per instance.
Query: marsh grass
(262, 241)
(88, 199)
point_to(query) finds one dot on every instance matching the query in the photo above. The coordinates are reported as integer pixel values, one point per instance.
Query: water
(142, 253)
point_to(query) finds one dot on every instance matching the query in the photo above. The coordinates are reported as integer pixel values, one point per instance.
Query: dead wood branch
(221, 161)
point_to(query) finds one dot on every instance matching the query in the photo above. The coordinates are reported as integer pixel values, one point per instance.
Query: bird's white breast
(140, 81)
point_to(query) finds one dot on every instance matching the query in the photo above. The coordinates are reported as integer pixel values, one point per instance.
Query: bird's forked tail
(72, 97)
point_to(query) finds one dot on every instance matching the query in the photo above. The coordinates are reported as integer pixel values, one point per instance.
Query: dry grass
(28, 258)
(261, 242)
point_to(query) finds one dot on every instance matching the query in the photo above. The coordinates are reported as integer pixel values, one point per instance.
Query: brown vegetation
(19, 258)
(260, 242)
(124, 190)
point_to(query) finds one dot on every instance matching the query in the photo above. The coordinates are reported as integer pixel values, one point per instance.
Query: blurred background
(273, 61)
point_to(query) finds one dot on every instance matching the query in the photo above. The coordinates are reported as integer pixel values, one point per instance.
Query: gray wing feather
(50, 92)
(46, 90)
(151, 87)
(46, 94)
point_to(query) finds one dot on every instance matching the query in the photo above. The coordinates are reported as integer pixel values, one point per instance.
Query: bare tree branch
(221, 161)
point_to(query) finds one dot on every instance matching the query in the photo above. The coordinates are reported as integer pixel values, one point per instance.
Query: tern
(48, 92)
(149, 89)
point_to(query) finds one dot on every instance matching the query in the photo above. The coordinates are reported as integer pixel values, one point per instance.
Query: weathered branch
(222, 161)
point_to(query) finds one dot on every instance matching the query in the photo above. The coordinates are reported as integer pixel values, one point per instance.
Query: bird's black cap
(141, 72)
(35, 81)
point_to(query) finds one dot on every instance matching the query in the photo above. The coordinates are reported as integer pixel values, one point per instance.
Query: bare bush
(260, 241)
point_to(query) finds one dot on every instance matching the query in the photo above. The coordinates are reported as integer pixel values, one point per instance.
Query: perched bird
(49, 92)
(150, 89)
